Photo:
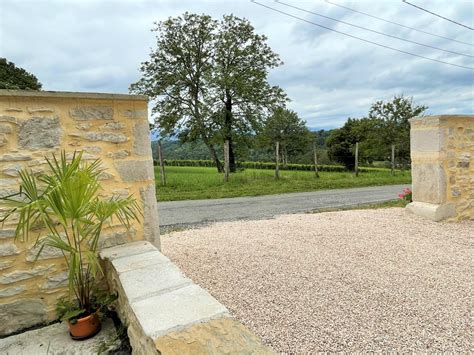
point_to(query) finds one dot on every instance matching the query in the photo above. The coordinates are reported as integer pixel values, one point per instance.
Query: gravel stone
(353, 281)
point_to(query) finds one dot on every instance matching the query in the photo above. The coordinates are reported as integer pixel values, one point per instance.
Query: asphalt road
(175, 213)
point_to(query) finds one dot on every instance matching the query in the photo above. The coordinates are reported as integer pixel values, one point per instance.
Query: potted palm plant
(65, 204)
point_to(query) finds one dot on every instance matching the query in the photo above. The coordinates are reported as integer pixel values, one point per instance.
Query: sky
(97, 46)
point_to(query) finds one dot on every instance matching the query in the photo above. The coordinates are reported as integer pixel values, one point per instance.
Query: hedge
(267, 165)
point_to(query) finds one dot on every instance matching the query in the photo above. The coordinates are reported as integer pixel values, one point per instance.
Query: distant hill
(174, 149)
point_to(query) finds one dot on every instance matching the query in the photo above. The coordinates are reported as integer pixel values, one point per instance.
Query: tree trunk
(277, 161)
(212, 150)
(226, 160)
(228, 131)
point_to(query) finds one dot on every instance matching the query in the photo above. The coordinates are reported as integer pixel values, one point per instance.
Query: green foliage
(286, 127)
(15, 78)
(393, 126)
(66, 203)
(209, 79)
(387, 124)
(341, 142)
(191, 183)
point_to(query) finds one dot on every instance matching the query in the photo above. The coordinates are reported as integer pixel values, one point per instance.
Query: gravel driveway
(362, 280)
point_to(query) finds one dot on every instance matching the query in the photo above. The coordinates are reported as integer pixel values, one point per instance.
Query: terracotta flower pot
(85, 327)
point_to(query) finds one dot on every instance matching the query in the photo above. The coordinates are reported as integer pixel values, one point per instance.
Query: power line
(359, 38)
(398, 24)
(374, 31)
(444, 18)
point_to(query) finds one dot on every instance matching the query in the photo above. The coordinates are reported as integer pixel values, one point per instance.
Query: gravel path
(362, 280)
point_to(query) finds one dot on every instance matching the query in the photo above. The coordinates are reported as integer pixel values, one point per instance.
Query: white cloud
(98, 46)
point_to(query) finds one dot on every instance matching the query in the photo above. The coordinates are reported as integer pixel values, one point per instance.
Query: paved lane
(177, 213)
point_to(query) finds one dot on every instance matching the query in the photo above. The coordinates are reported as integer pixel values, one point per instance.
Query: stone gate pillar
(442, 149)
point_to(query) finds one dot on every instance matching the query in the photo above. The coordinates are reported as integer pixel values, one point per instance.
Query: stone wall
(165, 312)
(33, 125)
(442, 151)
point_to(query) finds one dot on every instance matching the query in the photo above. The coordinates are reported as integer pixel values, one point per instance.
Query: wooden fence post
(393, 159)
(277, 160)
(316, 172)
(162, 164)
(356, 166)
(226, 160)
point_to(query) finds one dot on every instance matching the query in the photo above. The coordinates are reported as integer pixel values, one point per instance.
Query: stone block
(33, 110)
(139, 261)
(141, 136)
(5, 128)
(112, 126)
(12, 291)
(134, 248)
(219, 336)
(5, 264)
(48, 252)
(85, 113)
(12, 170)
(105, 176)
(9, 119)
(21, 314)
(92, 149)
(39, 133)
(152, 280)
(19, 275)
(150, 215)
(118, 154)
(7, 233)
(429, 183)
(432, 211)
(3, 140)
(427, 140)
(8, 249)
(15, 157)
(56, 281)
(177, 310)
(135, 170)
(136, 114)
(116, 238)
(105, 137)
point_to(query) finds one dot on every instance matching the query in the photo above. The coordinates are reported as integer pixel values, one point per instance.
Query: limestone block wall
(442, 152)
(33, 125)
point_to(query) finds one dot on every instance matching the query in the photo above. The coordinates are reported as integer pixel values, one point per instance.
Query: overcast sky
(97, 46)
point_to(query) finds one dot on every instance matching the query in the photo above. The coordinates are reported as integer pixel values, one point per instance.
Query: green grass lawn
(192, 183)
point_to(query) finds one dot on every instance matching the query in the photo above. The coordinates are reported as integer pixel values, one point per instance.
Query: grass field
(192, 183)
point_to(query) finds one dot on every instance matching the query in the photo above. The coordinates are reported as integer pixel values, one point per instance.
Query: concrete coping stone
(152, 280)
(121, 251)
(72, 95)
(177, 310)
(138, 261)
(159, 298)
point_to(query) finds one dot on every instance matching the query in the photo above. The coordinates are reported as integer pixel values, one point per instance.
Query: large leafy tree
(16, 78)
(209, 80)
(177, 77)
(240, 87)
(284, 126)
(393, 124)
(341, 142)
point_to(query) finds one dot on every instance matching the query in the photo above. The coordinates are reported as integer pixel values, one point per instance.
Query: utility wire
(373, 31)
(444, 18)
(396, 23)
(359, 38)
